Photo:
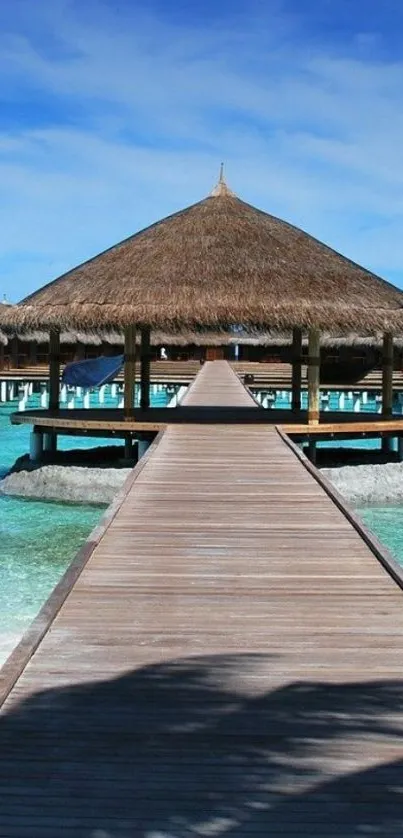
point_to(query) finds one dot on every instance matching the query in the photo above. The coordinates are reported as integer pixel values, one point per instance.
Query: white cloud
(135, 114)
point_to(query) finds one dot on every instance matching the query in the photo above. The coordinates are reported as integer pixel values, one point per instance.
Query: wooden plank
(313, 377)
(387, 375)
(296, 370)
(228, 660)
(129, 372)
(54, 369)
(145, 368)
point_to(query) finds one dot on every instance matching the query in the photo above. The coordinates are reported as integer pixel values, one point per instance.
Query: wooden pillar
(387, 375)
(2, 363)
(36, 445)
(313, 376)
(33, 352)
(54, 369)
(312, 450)
(387, 386)
(145, 368)
(14, 346)
(79, 353)
(129, 371)
(296, 370)
(128, 455)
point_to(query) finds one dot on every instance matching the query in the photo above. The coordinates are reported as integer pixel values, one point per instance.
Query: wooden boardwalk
(229, 662)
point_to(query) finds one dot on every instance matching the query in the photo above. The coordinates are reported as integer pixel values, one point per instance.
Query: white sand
(368, 484)
(8, 641)
(376, 484)
(73, 484)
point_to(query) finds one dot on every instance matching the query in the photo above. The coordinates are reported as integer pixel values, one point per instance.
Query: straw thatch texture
(187, 337)
(214, 264)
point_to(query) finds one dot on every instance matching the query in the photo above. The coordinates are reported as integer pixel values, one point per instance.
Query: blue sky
(115, 113)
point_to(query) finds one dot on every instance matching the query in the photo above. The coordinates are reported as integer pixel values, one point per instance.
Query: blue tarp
(94, 372)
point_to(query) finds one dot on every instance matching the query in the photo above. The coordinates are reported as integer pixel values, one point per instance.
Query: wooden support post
(33, 353)
(387, 375)
(312, 450)
(54, 369)
(313, 377)
(296, 370)
(79, 353)
(50, 443)
(129, 371)
(128, 455)
(387, 385)
(36, 446)
(2, 363)
(14, 355)
(145, 368)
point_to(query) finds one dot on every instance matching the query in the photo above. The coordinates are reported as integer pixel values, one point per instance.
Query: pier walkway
(228, 663)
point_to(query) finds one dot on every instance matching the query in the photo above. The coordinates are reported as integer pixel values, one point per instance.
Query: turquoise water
(352, 401)
(386, 522)
(38, 539)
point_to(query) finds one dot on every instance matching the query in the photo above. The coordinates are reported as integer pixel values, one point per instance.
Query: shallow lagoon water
(386, 522)
(38, 540)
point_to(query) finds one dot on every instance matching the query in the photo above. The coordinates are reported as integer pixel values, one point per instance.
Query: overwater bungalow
(213, 276)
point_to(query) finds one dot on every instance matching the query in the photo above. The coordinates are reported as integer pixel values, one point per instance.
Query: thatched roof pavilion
(215, 264)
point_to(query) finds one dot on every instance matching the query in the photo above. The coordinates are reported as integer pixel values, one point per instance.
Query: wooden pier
(224, 659)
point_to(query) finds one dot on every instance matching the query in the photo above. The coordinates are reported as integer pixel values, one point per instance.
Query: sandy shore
(72, 484)
(359, 484)
(368, 484)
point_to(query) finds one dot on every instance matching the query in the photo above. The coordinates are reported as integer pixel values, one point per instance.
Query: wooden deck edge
(34, 417)
(189, 388)
(387, 426)
(27, 646)
(379, 550)
(245, 387)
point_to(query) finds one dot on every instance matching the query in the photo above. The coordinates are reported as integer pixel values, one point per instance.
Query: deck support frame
(145, 362)
(313, 376)
(387, 385)
(296, 374)
(54, 369)
(129, 372)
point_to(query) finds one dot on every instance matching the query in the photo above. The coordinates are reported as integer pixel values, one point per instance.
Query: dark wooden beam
(54, 369)
(387, 386)
(313, 377)
(296, 370)
(129, 371)
(145, 360)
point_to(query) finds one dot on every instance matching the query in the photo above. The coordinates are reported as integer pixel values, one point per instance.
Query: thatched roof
(186, 337)
(216, 263)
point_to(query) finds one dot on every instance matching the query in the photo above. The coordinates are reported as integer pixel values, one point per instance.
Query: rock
(72, 484)
(368, 484)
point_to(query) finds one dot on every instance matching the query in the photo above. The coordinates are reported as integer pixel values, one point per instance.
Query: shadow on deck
(185, 748)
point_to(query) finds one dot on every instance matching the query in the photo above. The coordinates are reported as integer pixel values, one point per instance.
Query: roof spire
(221, 189)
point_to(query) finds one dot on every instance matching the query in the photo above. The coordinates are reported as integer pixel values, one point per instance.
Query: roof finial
(221, 189)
